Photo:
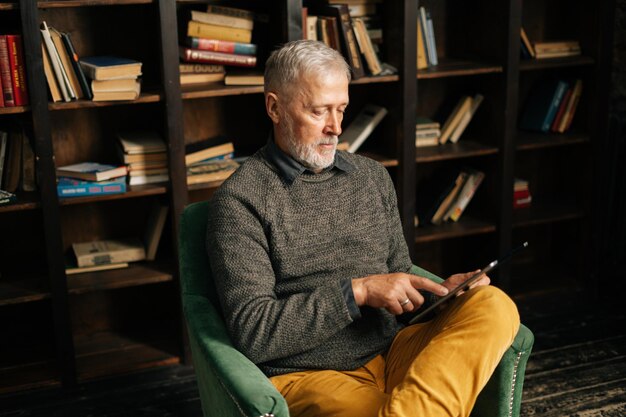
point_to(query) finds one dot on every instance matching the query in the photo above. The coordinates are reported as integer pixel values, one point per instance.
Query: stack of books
(459, 118)
(445, 198)
(427, 132)
(145, 154)
(219, 36)
(551, 105)
(12, 72)
(90, 178)
(426, 45)
(521, 194)
(210, 160)
(547, 49)
(112, 78)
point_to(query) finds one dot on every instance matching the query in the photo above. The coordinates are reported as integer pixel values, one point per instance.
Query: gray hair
(286, 64)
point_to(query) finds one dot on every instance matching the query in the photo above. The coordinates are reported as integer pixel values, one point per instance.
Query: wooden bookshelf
(71, 319)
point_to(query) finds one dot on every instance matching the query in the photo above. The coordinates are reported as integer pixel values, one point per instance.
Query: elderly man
(311, 266)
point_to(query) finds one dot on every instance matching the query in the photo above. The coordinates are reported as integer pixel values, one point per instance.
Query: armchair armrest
(229, 383)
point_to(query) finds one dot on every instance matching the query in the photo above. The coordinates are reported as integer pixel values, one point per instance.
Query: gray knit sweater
(279, 252)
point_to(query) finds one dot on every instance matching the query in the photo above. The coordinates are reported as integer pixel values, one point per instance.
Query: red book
(5, 73)
(209, 57)
(561, 111)
(18, 73)
(1, 95)
(227, 47)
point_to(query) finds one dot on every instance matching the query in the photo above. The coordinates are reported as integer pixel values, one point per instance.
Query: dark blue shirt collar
(290, 169)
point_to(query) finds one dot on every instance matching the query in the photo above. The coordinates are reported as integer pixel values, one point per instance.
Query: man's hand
(390, 291)
(455, 280)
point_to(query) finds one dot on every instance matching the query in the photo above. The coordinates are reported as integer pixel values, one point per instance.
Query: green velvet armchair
(230, 385)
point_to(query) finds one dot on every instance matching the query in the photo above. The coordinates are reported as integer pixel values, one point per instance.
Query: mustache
(328, 140)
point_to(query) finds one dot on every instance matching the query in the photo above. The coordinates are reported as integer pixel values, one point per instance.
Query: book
(53, 86)
(423, 142)
(467, 117)
(347, 40)
(116, 95)
(311, 28)
(542, 104)
(526, 43)
(362, 126)
(209, 57)
(463, 106)
(148, 179)
(123, 84)
(4, 144)
(437, 194)
(217, 171)
(7, 198)
(467, 192)
(5, 73)
(18, 72)
(28, 179)
(366, 47)
(430, 40)
(92, 171)
(154, 228)
(13, 161)
(70, 187)
(226, 47)
(558, 118)
(141, 141)
(208, 148)
(110, 67)
(159, 158)
(230, 11)
(78, 70)
(207, 31)
(111, 251)
(423, 123)
(73, 85)
(571, 107)
(190, 68)
(244, 78)
(422, 60)
(190, 79)
(73, 269)
(423, 25)
(219, 19)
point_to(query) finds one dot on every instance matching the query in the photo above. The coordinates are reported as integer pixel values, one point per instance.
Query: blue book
(70, 187)
(110, 67)
(542, 105)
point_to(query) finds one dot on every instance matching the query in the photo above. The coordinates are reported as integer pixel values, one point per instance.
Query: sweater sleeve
(264, 326)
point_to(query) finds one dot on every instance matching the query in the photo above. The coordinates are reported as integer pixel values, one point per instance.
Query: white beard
(308, 154)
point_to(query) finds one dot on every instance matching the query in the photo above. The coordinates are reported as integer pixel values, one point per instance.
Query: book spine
(5, 73)
(202, 30)
(78, 70)
(79, 190)
(230, 11)
(18, 73)
(227, 47)
(208, 57)
(554, 106)
(431, 40)
(424, 26)
(349, 39)
(222, 20)
(200, 69)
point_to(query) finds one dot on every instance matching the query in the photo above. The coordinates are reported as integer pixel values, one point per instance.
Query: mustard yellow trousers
(432, 369)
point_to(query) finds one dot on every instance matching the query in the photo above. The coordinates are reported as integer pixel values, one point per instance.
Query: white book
(432, 45)
(467, 117)
(362, 126)
(311, 30)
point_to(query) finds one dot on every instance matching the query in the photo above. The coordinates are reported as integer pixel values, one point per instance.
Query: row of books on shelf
(551, 105)
(12, 72)
(547, 49)
(97, 78)
(143, 160)
(429, 132)
(17, 163)
(426, 44)
(119, 253)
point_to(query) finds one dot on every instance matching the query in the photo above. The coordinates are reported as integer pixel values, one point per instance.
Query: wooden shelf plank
(27, 376)
(384, 160)
(544, 213)
(84, 3)
(13, 110)
(217, 90)
(25, 201)
(540, 64)
(24, 290)
(86, 104)
(456, 68)
(136, 274)
(132, 192)
(466, 226)
(461, 149)
(377, 79)
(530, 141)
(108, 353)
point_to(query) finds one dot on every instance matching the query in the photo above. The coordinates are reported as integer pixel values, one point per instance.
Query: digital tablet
(465, 285)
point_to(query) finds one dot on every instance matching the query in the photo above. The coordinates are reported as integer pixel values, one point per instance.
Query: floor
(578, 368)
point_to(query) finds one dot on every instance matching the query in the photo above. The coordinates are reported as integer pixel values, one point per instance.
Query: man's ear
(271, 106)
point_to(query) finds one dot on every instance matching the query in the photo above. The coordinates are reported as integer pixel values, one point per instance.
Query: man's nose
(333, 124)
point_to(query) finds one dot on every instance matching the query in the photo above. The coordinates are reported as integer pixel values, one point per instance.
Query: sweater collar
(290, 169)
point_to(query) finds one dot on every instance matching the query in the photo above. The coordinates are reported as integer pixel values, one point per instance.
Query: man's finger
(422, 283)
